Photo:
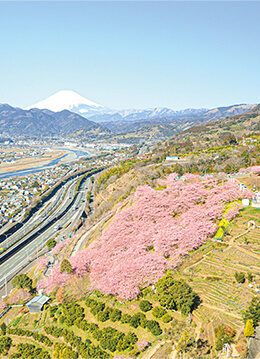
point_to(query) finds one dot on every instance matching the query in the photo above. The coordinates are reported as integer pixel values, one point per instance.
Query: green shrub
(5, 344)
(154, 327)
(158, 312)
(30, 351)
(66, 267)
(166, 318)
(135, 321)
(240, 277)
(126, 318)
(145, 305)
(93, 327)
(102, 316)
(22, 281)
(115, 315)
(51, 243)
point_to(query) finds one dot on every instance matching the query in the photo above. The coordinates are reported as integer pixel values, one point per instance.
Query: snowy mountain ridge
(70, 100)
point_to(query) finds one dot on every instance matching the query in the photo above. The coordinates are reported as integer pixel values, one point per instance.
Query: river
(29, 171)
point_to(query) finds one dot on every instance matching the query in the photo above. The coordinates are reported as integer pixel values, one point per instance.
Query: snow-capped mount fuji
(70, 100)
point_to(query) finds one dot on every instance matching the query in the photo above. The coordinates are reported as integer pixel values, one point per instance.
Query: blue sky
(131, 54)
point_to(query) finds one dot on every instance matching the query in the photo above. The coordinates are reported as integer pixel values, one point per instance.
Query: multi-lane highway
(63, 210)
(37, 221)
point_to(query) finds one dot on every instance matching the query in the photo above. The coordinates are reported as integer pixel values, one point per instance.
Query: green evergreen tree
(66, 267)
(22, 281)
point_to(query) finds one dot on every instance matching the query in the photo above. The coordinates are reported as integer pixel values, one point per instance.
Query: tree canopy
(176, 295)
(253, 311)
(22, 281)
(66, 267)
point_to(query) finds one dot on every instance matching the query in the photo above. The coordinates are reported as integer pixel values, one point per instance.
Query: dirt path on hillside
(149, 353)
(214, 307)
(246, 251)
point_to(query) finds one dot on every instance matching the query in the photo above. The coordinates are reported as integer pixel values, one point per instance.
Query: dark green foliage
(219, 345)
(5, 344)
(176, 295)
(68, 335)
(86, 350)
(250, 277)
(27, 333)
(135, 320)
(110, 338)
(142, 319)
(154, 327)
(54, 309)
(3, 328)
(97, 334)
(66, 267)
(93, 327)
(126, 318)
(64, 352)
(240, 277)
(230, 139)
(88, 196)
(131, 337)
(103, 316)
(145, 306)
(82, 324)
(115, 315)
(253, 311)
(71, 312)
(89, 302)
(29, 351)
(22, 281)
(90, 351)
(97, 307)
(51, 243)
(158, 312)
(166, 318)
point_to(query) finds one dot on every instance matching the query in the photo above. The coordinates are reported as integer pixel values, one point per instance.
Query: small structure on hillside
(172, 158)
(251, 224)
(35, 305)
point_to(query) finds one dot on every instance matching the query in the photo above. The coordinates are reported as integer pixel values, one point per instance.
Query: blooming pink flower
(153, 235)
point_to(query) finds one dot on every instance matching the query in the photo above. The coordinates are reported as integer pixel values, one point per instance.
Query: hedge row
(104, 313)
(29, 351)
(86, 349)
(27, 333)
(71, 312)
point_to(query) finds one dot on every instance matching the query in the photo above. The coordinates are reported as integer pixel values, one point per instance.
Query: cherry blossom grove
(153, 235)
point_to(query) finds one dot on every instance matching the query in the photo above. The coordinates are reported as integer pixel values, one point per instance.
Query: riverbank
(30, 163)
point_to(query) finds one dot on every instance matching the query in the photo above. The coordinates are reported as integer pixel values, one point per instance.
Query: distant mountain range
(214, 133)
(35, 122)
(69, 100)
(64, 114)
